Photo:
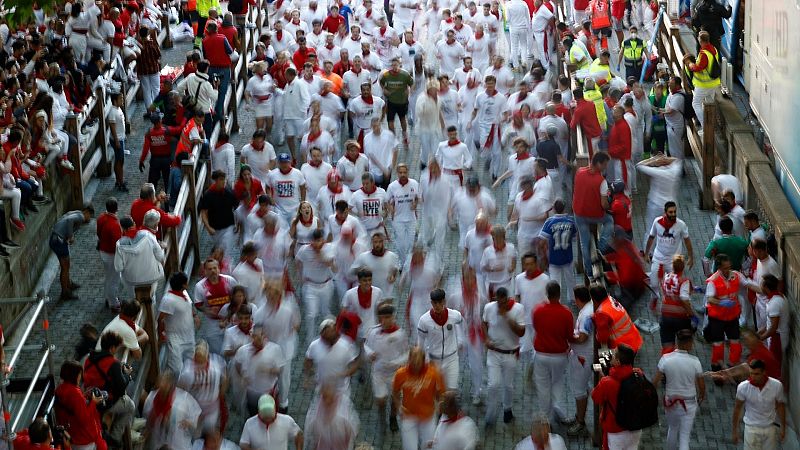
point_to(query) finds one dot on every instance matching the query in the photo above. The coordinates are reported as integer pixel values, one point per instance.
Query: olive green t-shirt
(395, 86)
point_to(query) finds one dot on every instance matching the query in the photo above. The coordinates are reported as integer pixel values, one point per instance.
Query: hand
(373, 357)
(690, 261)
(96, 399)
(211, 231)
(647, 258)
(391, 277)
(162, 196)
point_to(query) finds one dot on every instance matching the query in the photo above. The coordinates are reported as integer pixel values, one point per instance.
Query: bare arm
(689, 252)
(738, 412)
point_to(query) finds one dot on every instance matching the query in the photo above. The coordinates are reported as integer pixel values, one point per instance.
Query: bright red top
(619, 140)
(553, 323)
(585, 115)
(108, 232)
(621, 211)
(256, 189)
(605, 395)
(140, 207)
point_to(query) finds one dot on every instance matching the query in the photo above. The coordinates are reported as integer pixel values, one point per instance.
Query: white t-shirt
(259, 160)
(475, 243)
(286, 189)
(467, 206)
(324, 142)
(314, 268)
(556, 443)
(352, 171)
(664, 182)
(367, 315)
(128, 334)
(235, 339)
(519, 168)
(179, 322)
(280, 434)
(453, 157)
(330, 105)
(668, 242)
(316, 178)
(450, 56)
(391, 349)
(363, 112)
(250, 278)
(759, 404)
(332, 361)
(499, 333)
(531, 293)
(273, 251)
(334, 228)
(448, 105)
(403, 198)
(257, 365)
(279, 323)
(326, 200)
(459, 435)
(505, 78)
(381, 267)
(497, 264)
(585, 325)
(461, 78)
(675, 102)
(351, 81)
(681, 370)
(778, 307)
(368, 207)
(117, 117)
(532, 214)
(380, 148)
(312, 85)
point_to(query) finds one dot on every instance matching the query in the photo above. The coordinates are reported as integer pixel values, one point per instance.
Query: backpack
(637, 403)
(688, 110)
(716, 69)
(236, 6)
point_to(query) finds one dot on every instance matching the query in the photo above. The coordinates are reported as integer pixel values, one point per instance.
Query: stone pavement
(712, 428)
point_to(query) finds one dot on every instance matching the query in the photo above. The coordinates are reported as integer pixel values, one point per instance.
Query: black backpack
(716, 69)
(637, 403)
(688, 110)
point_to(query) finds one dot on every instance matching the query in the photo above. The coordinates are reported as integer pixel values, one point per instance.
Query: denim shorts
(59, 246)
(119, 153)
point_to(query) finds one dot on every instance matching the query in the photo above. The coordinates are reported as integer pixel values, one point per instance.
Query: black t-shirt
(549, 150)
(220, 205)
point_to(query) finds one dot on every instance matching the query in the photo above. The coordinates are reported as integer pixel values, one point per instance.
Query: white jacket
(140, 259)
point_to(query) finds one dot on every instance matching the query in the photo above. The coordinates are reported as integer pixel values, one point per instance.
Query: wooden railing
(578, 144)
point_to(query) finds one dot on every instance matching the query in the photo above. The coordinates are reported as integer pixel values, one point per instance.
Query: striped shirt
(149, 61)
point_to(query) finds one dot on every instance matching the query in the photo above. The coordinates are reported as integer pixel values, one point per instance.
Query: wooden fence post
(167, 44)
(709, 151)
(99, 113)
(144, 295)
(75, 157)
(190, 210)
(173, 263)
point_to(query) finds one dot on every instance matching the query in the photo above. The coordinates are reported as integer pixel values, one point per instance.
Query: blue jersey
(560, 231)
(346, 12)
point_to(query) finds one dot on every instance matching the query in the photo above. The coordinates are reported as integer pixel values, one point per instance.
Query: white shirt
(117, 117)
(436, 195)
(585, 325)
(664, 182)
(519, 168)
(427, 114)
(681, 370)
(279, 323)
(440, 342)
(312, 85)
(408, 53)
(255, 221)
(499, 331)
(352, 171)
(324, 142)
(467, 206)
(380, 149)
(250, 278)
(179, 320)
(257, 365)
(368, 207)
(505, 78)
(449, 55)
(363, 113)
(326, 200)
(475, 243)
(351, 82)
(224, 158)
(531, 293)
(203, 381)
(461, 78)
(453, 157)
(496, 264)
(391, 349)
(316, 178)
(334, 229)
(489, 108)
(556, 442)
(234, 339)
(727, 182)
(332, 361)
(286, 189)
(668, 243)
(675, 102)
(478, 49)
(778, 307)
(273, 251)
(128, 334)
(330, 105)
(314, 268)
(402, 199)
(332, 54)
(759, 404)
(296, 99)
(459, 435)
(184, 408)
(280, 434)
(353, 47)
(383, 42)
(448, 104)
(259, 160)
(367, 315)
(532, 214)
(381, 267)
(518, 15)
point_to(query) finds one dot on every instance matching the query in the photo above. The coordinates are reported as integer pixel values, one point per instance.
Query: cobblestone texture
(712, 427)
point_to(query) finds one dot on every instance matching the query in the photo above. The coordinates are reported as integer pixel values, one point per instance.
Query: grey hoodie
(140, 259)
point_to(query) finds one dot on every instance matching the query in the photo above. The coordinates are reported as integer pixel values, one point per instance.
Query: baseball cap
(284, 157)
(266, 406)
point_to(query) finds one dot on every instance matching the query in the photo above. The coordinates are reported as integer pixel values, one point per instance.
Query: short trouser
(616, 24)
(396, 109)
(717, 330)
(294, 127)
(580, 375)
(669, 327)
(603, 32)
(59, 246)
(381, 383)
(119, 151)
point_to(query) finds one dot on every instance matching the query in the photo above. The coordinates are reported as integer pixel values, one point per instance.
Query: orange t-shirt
(337, 82)
(419, 391)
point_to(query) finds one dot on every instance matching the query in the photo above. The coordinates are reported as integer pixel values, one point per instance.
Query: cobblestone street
(712, 427)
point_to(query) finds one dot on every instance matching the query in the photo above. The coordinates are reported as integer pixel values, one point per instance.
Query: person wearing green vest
(202, 11)
(634, 52)
(578, 53)
(592, 94)
(601, 66)
(658, 99)
(705, 74)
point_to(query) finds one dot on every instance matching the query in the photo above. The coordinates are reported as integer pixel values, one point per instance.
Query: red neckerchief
(129, 322)
(178, 294)
(162, 406)
(527, 195)
(296, 21)
(369, 13)
(330, 46)
(313, 136)
(439, 318)
(260, 213)
(664, 222)
(775, 294)
(215, 188)
(383, 30)
(313, 163)
(378, 253)
(368, 100)
(365, 298)
(258, 147)
(353, 69)
(390, 330)
(524, 156)
(307, 222)
(253, 265)
(454, 419)
(492, 94)
(495, 13)
(458, 27)
(759, 386)
(536, 273)
(285, 173)
(476, 34)
(279, 33)
(521, 97)
(248, 330)
(365, 53)
(453, 143)
(448, 20)
(374, 188)
(465, 70)
(402, 183)
(353, 160)
(337, 190)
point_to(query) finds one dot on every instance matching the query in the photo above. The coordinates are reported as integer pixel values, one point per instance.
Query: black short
(718, 330)
(669, 327)
(605, 31)
(393, 109)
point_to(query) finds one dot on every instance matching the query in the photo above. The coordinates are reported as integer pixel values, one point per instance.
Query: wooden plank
(94, 161)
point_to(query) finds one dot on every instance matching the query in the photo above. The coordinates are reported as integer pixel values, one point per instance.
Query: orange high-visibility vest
(725, 290)
(185, 144)
(673, 305)
(623, 331)
(600, 17)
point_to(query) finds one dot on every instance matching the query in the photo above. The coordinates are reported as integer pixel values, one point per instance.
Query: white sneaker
(67, 165)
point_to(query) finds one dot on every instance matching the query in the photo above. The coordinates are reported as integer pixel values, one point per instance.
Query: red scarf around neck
(664, 222)
(759, 386)
(368, 99)
(374, 188)
(526, 195)
(365, 298)
(453, 143)
(390, 330)
(439, 318)
(402, 183)
(536, 273)
(162, 407)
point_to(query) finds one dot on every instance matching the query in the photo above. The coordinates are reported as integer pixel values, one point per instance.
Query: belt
(316, 282)
(672, 401)
(80, 31)
(262, 98)
(458, 172)
(504, 352)
(443, 357)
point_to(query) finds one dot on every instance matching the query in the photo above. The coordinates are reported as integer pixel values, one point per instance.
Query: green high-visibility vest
(632, 51)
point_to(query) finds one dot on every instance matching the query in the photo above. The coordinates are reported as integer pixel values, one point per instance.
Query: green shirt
(733, 246)
(395, 86)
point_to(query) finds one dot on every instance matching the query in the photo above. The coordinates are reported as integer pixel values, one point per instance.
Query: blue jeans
(584, 235)
(224, 74)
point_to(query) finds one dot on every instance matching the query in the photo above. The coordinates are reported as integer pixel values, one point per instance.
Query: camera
(97, 392)
(603, 364)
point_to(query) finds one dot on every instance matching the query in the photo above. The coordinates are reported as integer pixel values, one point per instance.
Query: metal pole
(30, 388)
(46, 328)
(26, 334)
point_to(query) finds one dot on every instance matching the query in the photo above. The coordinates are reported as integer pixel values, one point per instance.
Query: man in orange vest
(723, 308)
(192, 133)
(614, 325)
(601, 21)
(676, 309)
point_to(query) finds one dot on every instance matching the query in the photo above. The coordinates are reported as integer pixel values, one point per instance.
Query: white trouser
(112, 279)
(78, 43)
(558, 184)
(519, 46)
(699, 96)
(289, 347)
(452, 179)
(540, 49)
(224, 239)
(176, 353)
(317, 299)
(675, 141)
(448, 367)
(564, 276)
(760, 438)
(419, 306)
(617, 173)
(500, 369)
(476, 361)
(680, 419)
(657, 271)
(416, 433)
(15, 195)
(624, 440)
(548, 375)
(403, 238)
(580, 375)
(433, 230)
(151, 84)
(747, 319)
(653, 211)
(532, 46)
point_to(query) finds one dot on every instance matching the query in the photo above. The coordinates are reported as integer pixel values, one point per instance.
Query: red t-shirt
(621, 211)
(108, 232)
(553, 323)
(331, 24)
(605, 394)
(585, 115)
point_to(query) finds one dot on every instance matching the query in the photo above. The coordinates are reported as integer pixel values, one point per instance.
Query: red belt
(668, 403)
(80, 31)
(262, 98)
(458, 172)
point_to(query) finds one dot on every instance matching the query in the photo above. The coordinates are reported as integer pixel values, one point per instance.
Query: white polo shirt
(277, 436)
(681, 370)
(332, 361)
(500, 334)
(759, 404)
